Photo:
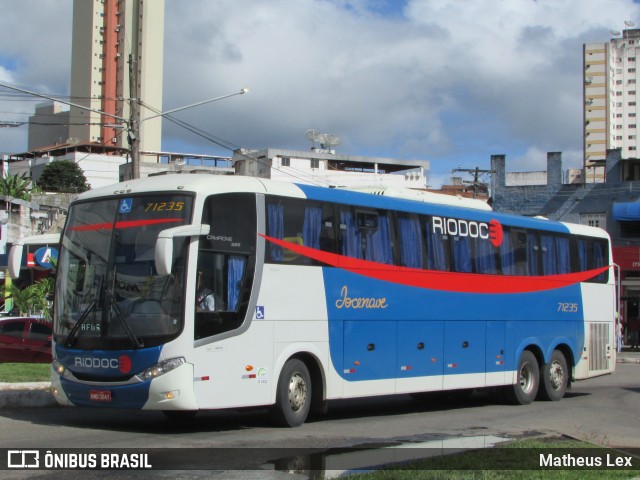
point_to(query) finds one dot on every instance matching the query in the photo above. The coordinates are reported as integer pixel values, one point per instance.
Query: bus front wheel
(293, 396)
(524, 391)
(555, 378)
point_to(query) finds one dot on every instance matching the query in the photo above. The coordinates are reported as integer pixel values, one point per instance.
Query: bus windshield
(108, 293)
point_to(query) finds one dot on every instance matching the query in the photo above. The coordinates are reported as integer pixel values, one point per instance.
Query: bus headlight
(60, 369)
(161, 368)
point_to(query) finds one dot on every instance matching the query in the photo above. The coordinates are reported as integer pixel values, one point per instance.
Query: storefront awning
(626, 211)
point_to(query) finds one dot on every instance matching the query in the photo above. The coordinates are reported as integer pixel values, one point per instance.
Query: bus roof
(434, 205)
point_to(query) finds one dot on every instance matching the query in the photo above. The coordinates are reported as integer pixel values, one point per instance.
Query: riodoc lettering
(359, 302)
(458, 227)
(93, 362)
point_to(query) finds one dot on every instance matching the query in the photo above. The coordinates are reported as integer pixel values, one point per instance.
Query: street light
(134, 127)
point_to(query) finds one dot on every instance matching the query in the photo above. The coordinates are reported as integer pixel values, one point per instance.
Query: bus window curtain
(275, 212)
(549, 257)
(435, 250)
(311, 227)
(583, 260)
(379, 242)
(410, 242)
(485, 259)
(507, 254)
(351, 237)
(563, 255)
(598, 260)
(234, 281)
(462, 254)
(532, 253)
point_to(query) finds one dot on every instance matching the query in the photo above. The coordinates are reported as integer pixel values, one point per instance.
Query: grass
(518, 460)
(24, 372)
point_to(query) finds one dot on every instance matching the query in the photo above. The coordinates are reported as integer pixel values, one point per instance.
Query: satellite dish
(629, 23)
(614, 33)
(326, 140)
(313, 135)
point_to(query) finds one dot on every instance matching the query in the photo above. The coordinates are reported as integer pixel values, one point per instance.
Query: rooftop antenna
(327, 141)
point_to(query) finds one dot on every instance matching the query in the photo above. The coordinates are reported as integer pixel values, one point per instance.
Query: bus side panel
(464, 353)
(495, 354)
(598, 356)
(237, 371)
(421, 353)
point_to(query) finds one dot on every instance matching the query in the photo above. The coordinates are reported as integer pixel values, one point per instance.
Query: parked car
(25, 340)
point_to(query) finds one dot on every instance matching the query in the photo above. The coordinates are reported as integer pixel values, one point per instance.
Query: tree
(32, 300)
(63, 176)
(16, 186)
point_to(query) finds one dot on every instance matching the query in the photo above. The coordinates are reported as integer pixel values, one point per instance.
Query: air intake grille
(599, 344)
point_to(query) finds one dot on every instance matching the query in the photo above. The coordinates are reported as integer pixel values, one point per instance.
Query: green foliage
(16, 186)
(25, 372)
(63, 176)
(32, 300)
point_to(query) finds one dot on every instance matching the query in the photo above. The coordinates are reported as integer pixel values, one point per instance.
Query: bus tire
(554, 378)
(524, 391)
(293, 395)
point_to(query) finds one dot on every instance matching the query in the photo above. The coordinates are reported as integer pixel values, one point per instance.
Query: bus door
(420, 354)
(464, 353)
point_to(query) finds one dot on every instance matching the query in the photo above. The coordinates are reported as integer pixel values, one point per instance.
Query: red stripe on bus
(124, 224)
(438, 280)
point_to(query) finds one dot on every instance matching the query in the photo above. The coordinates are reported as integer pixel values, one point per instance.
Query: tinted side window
(304, 223)
(12, 329)
(40, 332)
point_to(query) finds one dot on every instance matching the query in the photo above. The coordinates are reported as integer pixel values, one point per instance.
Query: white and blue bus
(183, 293)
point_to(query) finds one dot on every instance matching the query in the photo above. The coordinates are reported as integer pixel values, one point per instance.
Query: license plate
(100, 395)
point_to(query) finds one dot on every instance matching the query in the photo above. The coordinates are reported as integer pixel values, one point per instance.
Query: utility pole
(134, 93)
(476, 172)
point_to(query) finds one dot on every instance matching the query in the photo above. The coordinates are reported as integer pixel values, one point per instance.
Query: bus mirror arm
(164, 244)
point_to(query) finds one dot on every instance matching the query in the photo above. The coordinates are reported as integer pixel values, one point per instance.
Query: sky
(449, 81)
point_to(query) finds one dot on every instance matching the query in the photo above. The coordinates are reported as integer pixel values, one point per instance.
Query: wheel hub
(297, 392)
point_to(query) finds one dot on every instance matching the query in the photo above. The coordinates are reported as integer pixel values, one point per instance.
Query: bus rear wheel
(555, 378)
(524, 391)
(293, 395)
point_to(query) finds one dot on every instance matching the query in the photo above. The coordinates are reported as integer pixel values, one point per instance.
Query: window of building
(315, 163)
(594, 219)
(285, 161)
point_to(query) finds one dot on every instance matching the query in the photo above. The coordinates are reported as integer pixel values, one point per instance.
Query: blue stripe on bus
(379, 330)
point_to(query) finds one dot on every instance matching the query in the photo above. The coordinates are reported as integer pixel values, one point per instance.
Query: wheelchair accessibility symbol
(125, 205)
(259, 313)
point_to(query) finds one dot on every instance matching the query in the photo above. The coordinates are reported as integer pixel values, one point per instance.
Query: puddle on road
(338, 462)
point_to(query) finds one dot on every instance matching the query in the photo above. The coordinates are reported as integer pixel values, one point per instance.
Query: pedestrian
(620, 331)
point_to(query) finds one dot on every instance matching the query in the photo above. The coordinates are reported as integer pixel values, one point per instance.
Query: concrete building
(610, 103)
(330, 169)
(49, 125)
(105, 34)
(613, 205)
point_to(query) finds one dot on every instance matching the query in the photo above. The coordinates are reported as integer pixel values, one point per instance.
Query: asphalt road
(604, 410)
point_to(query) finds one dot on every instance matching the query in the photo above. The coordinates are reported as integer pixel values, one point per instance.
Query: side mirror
(164, 244)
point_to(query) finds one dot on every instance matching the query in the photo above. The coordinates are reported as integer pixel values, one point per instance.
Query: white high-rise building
(611, 104)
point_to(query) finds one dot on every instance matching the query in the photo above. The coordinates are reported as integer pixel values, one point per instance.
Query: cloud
(448, 81)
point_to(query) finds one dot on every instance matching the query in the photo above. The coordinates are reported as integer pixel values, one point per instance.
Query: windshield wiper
(72, 334)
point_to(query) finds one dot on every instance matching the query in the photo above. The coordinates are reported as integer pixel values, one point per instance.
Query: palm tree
(16, 186)
(32, 300)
